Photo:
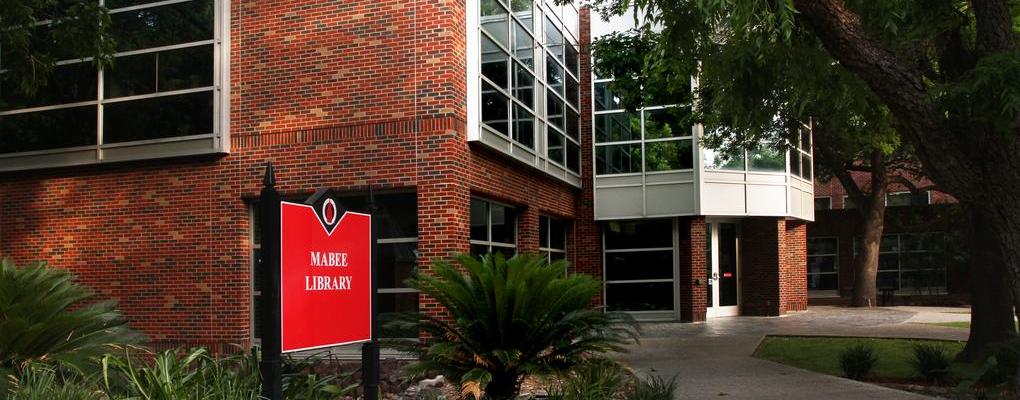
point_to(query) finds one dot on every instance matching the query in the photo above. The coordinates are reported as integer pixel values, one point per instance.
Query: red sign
(325, 277)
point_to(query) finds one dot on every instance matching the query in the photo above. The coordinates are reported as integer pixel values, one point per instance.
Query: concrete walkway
(713, 359)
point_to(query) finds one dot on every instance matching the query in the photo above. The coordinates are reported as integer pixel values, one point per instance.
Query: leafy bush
(655, 388)
(39, 381)
(511, 318)
(595, 379)
(931, 361)
(179, 375)
(44, 316)
(857, 361)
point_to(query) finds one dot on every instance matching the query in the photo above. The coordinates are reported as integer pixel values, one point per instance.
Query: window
(639, 265)
(530, 74)
(900, 199)
(911, 261)
(761, 159)
(800, 159)
(650, 140)
(161, 88)
(396, 219)
(823, 264)
(823, 203)
(493, 228)
(552, 238)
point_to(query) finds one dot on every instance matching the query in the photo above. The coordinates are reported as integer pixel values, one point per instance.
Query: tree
(509, 319)
(38, 33)
(937, 75)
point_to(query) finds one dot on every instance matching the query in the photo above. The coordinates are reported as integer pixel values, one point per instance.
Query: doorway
(722, 268)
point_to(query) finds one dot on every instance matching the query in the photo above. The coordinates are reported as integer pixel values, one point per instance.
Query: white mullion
(633, 281)
(49, 108)
(147, 5)
(639, 250)
(159, 94)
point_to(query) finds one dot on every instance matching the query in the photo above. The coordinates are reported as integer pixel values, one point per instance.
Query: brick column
(773, 272)
(586, 252)
(692, 284)
(527, 230)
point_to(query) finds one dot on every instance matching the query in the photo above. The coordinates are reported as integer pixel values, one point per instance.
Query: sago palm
(44, 316)
(509, 319)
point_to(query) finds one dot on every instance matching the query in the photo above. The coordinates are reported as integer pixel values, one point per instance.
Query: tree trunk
(866, 262)
(991, 319)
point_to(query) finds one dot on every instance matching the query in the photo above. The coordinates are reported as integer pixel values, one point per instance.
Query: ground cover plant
(858, 360)
(896, 357)
(509, 319)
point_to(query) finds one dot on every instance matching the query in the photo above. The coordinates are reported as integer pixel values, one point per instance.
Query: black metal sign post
(270, 366)
(370, 350)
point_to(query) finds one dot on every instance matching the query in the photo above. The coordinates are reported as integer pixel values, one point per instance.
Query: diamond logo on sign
(325, 275)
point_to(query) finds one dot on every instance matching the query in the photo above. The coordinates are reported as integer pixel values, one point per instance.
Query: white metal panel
(766, 199)
(619, 203)
(669, 199)
(722, 199)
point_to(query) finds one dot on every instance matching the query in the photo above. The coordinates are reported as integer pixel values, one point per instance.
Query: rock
(438, 381)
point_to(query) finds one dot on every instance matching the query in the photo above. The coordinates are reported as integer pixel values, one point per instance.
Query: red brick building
(921, 255)
(476, 122)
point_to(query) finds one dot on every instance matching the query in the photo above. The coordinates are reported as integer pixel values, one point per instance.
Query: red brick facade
(347, 95)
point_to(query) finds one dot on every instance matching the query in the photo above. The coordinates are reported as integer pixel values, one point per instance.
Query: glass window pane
(669, 156)
(524, 86)
(766, 159)
(889, 262)
(821, 246)
(504, 221)
(573, 157)
(617, 127)
(479, 219)
(543, 231)
(573, 123)
(617, 159)
(890, 243)
(495, 109)
(818, 264)
(554, 75)
(554, 110)
(823, 203)
(663, 123)
(724, 160)
(605, 99)
(639, 296)
(553, 39)
(823, 282)
(479, 250)
(555, 146)
(524, 45)
(186, 68)
(494, 21)
(888, 280)
(161, 117)
(397, 262)
(805, 140)
(573, 94)
(524, 11)
(495, 64)
(639, 265)
(131, 75)
(639, 234)
(68, 83)
(897, 199)
(572, 60)
(397, 215)
(51, 129)
(558, 237)
(524, 127)
(507, 252)
(805, 171)
(794, 163)
(391, 306)
(177, 23)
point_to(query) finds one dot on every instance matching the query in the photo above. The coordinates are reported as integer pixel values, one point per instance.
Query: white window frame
(546, 249)
(488, 227)
(899, 262)
(835, 256)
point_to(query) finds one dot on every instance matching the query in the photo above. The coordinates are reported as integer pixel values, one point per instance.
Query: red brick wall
(336, 94)
(692, 285)
(834, 190)
(773, 261)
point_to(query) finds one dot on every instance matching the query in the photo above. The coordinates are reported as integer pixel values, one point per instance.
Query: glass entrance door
(722, 269)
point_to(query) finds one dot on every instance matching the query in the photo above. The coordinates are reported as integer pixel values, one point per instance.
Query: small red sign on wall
(325, 277)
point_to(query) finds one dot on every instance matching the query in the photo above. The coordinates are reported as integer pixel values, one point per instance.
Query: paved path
(713, 360)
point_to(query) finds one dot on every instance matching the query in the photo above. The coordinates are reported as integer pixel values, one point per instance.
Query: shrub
(39, 381)
(595, 379)
(180, 375)
(655, 388)
(857, 361)
(931, 361)
(511, 318)
(45, 315)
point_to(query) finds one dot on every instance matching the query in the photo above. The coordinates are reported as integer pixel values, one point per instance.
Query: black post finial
(270, 178)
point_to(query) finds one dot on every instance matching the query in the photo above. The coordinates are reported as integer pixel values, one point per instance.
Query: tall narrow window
(823, 260)
(552, 238)
(493, 228)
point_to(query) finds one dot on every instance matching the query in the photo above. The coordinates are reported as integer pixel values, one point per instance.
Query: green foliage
(179, 375)
(301, 381)
(931, 361)
(655, 388)
(39, 381)
(45, 315)
(509, 319)
(76, 29)
(857, 361)
(595, 379)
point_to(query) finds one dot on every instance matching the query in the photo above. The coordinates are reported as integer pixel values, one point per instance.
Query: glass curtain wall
(161, 86)
(530, 74)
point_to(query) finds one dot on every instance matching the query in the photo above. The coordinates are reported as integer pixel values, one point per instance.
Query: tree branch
(994, 26)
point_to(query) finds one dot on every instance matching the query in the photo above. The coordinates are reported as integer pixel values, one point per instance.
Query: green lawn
(954, 324)
(821, 354)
